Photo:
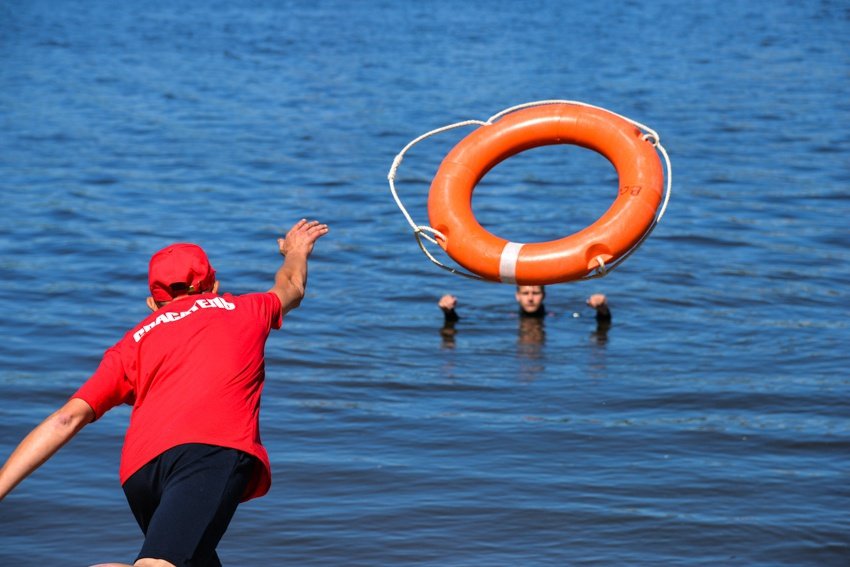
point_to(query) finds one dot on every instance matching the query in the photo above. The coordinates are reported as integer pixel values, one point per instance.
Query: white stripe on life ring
(508, 261)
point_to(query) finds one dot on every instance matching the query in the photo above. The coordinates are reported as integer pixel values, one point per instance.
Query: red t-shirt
(193, 372)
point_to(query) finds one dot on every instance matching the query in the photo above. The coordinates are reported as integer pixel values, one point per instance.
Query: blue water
(709, 426)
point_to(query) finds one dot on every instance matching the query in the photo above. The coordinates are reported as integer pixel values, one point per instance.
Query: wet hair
(542, 287)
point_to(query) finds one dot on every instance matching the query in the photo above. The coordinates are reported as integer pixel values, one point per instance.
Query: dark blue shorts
(184, 500)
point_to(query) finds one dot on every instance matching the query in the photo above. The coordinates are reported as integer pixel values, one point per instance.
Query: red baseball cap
(183, 264)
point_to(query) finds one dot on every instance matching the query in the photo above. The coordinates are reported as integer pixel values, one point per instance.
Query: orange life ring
(641, 184)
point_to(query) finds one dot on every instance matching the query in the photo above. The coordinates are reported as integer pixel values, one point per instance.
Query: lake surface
(710, 425)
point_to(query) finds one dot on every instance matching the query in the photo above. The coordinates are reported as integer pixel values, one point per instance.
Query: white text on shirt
(172, 316)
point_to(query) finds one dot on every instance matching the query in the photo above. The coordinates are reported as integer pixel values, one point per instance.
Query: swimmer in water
(530, 299)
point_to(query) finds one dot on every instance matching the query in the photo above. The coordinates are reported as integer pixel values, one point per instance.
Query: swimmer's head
(530, 297)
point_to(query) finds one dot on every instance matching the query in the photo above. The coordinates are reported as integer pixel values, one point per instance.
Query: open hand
(301, 237)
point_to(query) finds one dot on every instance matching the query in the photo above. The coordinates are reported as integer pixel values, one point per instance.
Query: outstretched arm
(43, 441)
(448, 303)
(599, 302)
(290, 281)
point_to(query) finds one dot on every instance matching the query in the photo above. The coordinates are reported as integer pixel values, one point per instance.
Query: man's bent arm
(290, 281)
